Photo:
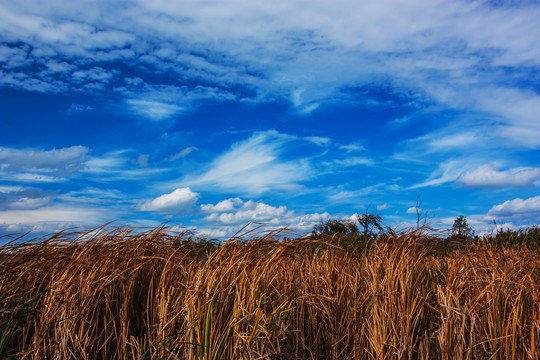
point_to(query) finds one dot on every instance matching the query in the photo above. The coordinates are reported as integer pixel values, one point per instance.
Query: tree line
(367, 227)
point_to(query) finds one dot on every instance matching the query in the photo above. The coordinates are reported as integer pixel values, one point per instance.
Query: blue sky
(213, 114)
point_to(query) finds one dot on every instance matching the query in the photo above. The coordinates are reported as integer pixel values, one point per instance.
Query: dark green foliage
(335, 227)
(529, 237)
(369, 223)
(370, 226)
(358, 234)
(461, 230)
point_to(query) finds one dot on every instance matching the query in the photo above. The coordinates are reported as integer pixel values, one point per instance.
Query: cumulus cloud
(222, 206)
(517, 208)
(179, 201)
(251, 211)
(486, 176)
(235, 212)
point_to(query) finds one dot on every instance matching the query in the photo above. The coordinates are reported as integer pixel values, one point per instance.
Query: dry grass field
(117, 293)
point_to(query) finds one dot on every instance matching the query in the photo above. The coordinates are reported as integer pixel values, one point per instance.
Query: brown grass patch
(119, 294)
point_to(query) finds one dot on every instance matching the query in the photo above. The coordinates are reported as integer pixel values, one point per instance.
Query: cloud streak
(58, 161)
(486, 176)
(254, 166)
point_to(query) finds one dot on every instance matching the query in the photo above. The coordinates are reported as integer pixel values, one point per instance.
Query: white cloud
(75, 108)
(342, 196)
(447, 171)
(353, 161)
(179, 201)
(115, 165)
(95, 74)
(10, 189)
(458, 140)
(251, 211)
(319, 140)
(212, 233)
(39, 178)
(51, 215)
(450, 53)
(353, 148)
(254, 166)
(142, 160)
(518, 208)
(486, 176)
(29, 202)
(161, 102)
(65, 160)
(230, 214)
(382, 207)
(413, 210)
(91, 195)
(222, 206)
(185, 152)
(155, 110)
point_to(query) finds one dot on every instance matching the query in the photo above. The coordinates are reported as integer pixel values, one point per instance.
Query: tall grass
(122, 294)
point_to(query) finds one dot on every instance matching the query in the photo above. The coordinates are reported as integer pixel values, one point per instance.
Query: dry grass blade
(125, 293)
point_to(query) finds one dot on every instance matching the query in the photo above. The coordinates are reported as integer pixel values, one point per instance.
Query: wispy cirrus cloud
(162, 102)
(270, 160)
(118, 165)
(154, 110)
(254, 166)
(181, 154)
(472, 173)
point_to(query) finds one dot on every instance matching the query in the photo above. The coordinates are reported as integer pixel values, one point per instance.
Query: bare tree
(421, 214)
